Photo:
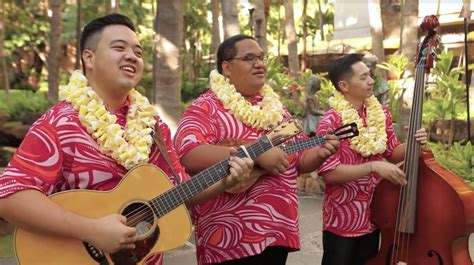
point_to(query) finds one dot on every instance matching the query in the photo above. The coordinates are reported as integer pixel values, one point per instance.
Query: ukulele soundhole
(142, 217)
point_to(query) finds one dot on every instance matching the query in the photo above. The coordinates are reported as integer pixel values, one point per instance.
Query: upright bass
(427, 221)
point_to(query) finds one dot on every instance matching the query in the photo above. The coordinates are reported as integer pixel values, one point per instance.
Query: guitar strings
(148, 212)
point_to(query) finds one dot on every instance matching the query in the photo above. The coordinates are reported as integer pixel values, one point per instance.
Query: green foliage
(28, 25)
(459, 159)
(22, 101)
(6, 246)
(396, 65)
(312, 20)
(191, 90)
(446, 98)
(326, 91)
(290, 89)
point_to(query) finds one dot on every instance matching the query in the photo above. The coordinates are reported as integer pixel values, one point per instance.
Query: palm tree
(112, 6)
(409, 31)
(216, 36)
(260, 23)
(54, 48)
(230, 18)
(293, 61)
(78, 34)
(376, 29)
(3, 64)
(166, 60)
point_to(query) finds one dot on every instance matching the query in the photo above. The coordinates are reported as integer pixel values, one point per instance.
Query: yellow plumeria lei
(264, 115)
(128, 147)
(372, 139)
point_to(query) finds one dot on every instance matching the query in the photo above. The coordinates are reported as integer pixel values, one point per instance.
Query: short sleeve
(197, 127)
(37, 163)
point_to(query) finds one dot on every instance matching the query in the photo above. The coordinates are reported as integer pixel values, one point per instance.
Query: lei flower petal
(372, 139)
(128, 147)
(268, 113)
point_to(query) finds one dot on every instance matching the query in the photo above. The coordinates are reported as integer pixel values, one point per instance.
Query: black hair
(96, 26)
(227, 50)
(342, 67)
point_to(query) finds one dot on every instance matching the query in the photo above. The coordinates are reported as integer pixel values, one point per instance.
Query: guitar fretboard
(303, 144)
(169, 200)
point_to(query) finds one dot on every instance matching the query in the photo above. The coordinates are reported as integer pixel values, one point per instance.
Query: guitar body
(136, 189)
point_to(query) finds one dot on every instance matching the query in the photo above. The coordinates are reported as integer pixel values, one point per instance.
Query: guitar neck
(303, 144)
(169, 200)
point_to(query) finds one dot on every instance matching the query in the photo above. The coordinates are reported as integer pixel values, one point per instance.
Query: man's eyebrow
(124, 42)
(255, 54)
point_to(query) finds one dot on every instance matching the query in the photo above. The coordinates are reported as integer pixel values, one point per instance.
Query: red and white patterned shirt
(346, 207)
(58, 154)
(234, 226)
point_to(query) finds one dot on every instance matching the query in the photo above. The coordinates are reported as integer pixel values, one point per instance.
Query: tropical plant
(459, 159)
(396, 65)
(326, 91)
(289, 88)
(445, 96)
(22, 102)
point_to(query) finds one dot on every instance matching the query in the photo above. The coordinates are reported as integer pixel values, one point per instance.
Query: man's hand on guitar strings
(240, 169)
(274, 161)
(329, 147)
(111, 234)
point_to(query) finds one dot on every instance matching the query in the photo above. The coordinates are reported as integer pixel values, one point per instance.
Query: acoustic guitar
(151, 204)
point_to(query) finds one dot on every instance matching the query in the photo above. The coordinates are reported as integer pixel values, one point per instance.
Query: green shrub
(20, 102)
(459, 159)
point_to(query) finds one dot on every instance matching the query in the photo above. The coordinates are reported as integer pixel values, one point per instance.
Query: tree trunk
(113, 6)
(376, 29)
(408, 47)
(54, 50)
(216, 35)
(230, 18)
(279, 30)
(321, 20)
(167, 67)
(260, 23)
(409, 31)
(78, 34)
(5, 82)
(293, 61)
(305, 34)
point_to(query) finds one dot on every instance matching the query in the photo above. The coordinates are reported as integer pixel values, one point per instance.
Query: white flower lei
(372, 139)
(129, 147)
(264, 115)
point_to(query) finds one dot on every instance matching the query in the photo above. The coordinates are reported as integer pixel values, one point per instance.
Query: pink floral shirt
(346, 207)
(58, 154)
(234, 226)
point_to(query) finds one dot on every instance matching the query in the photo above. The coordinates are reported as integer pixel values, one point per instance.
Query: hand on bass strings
(388, 171)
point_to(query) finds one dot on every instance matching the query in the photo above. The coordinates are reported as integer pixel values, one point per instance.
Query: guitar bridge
(96, 254)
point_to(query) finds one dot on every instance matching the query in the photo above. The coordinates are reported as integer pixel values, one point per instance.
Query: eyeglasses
(251, 58)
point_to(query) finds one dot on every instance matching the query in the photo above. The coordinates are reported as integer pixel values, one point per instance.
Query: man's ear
(226, 69)
(87, 57)
(343, 86)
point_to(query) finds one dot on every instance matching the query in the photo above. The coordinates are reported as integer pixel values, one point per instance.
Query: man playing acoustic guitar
(90, 140)
(257, 221)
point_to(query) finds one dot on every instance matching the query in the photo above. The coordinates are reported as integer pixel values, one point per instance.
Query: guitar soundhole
(142, 217)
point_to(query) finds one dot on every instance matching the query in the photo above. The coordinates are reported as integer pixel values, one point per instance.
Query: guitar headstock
(284, 131)
(346, 131)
